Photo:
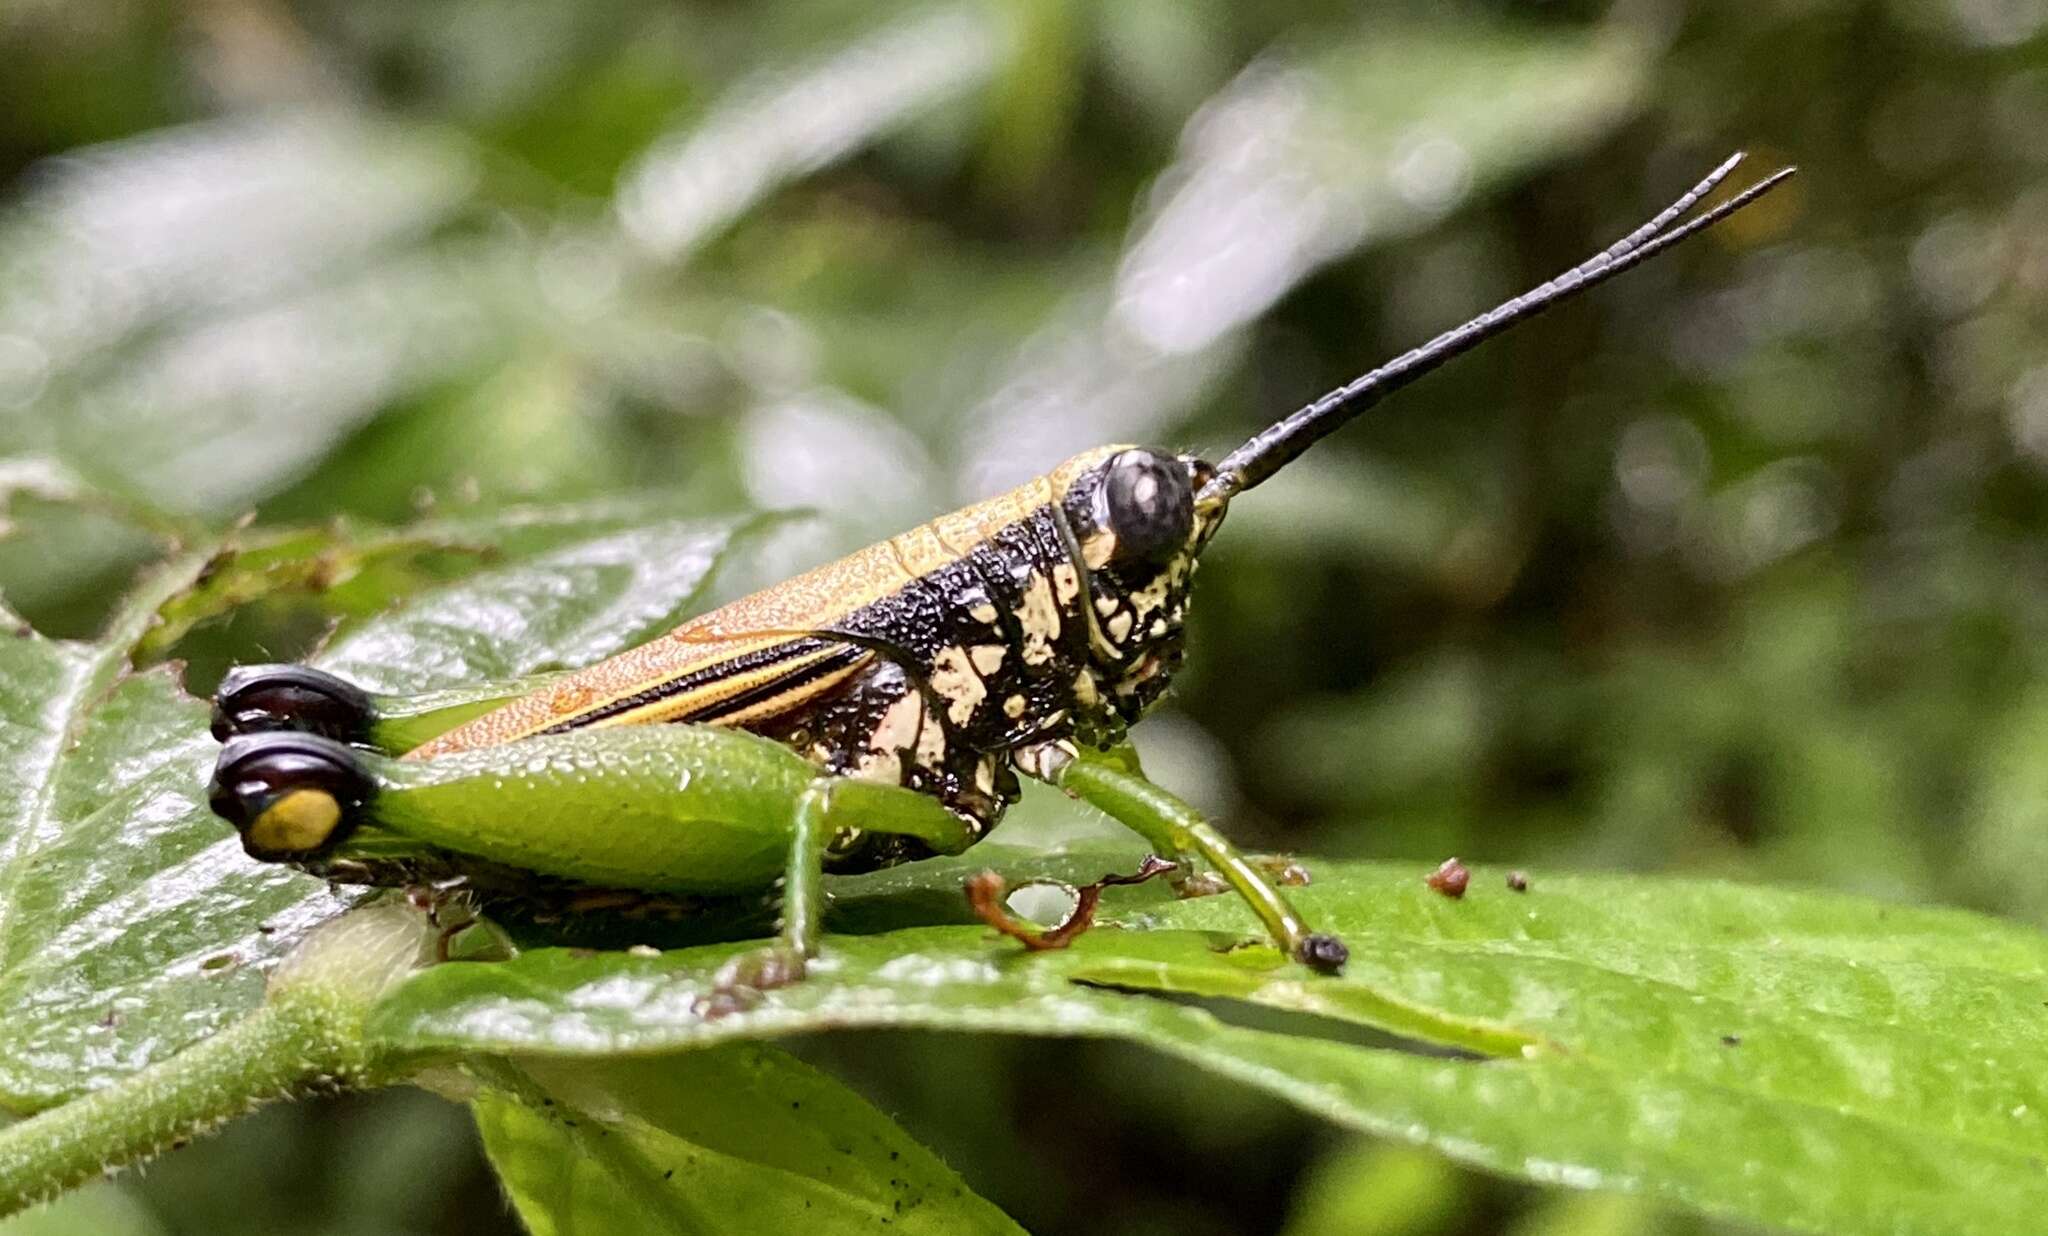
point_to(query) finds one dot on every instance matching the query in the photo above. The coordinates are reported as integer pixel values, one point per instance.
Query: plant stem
(306, 1038)
(304, 1043)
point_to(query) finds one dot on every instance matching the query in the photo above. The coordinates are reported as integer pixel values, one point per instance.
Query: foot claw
(739, 983)
(1200, 884)
(1321, 952)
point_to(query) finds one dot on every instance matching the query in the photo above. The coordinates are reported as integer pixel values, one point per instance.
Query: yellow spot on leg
(302, 820)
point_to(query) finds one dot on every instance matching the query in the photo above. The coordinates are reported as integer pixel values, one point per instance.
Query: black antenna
(1273, 448)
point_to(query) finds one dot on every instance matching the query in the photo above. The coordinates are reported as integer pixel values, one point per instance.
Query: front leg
(1110, 783)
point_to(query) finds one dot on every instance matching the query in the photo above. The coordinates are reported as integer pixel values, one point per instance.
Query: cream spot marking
(1013, 707)
(958, 684)
(1085, 693)
(1046, 760)
(1158, 627)
(985, 775)
(1118, 626)
(885, 767)
(931, 744)
(987, 658)
(984, 613)
(1066, 581)
(1150, 597)
(899, 726)
(1040, 618)
(1106, 605)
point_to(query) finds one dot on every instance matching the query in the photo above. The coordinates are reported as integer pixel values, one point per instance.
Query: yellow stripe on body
(814, 601)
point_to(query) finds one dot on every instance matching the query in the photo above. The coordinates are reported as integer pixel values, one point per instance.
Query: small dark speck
(1731, 1040)
(218, 962)
(1518, 881)
(670, 1174)
(266, 928)
(895, 1155)
(796, 1105)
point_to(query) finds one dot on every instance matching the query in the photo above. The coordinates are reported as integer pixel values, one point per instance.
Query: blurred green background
(1732, 568)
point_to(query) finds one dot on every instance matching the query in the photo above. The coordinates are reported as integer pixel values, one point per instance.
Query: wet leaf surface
(1817, 1062)
(131, 924)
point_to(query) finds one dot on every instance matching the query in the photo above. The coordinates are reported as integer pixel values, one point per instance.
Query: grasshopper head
(291, 796)
(1137, 531)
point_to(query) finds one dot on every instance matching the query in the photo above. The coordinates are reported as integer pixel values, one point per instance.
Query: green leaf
(319, 562)
(1810, 1061)
(131, 924)
(740, 1139)
(104, 1208)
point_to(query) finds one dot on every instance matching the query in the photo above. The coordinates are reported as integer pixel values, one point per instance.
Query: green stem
(306, 1038)
(305, 1043)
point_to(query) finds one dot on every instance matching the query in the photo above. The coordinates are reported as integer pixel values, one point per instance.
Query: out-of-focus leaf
(116, 237)
(1601, 1214)
(790, 120)
(104, 1209)
(131, 923)
(1306, 156)
(1373, 1189)
(209, 420)
(739, 1139)
(1809, 1061)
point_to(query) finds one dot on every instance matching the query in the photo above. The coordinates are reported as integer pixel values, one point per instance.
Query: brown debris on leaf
(1450, 879)
(987, 890)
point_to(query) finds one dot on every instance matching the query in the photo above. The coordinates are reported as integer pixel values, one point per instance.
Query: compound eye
(255, 699)
(1148, 502)
(291, 796)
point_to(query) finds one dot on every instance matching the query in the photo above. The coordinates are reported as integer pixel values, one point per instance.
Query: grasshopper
(876, 710)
